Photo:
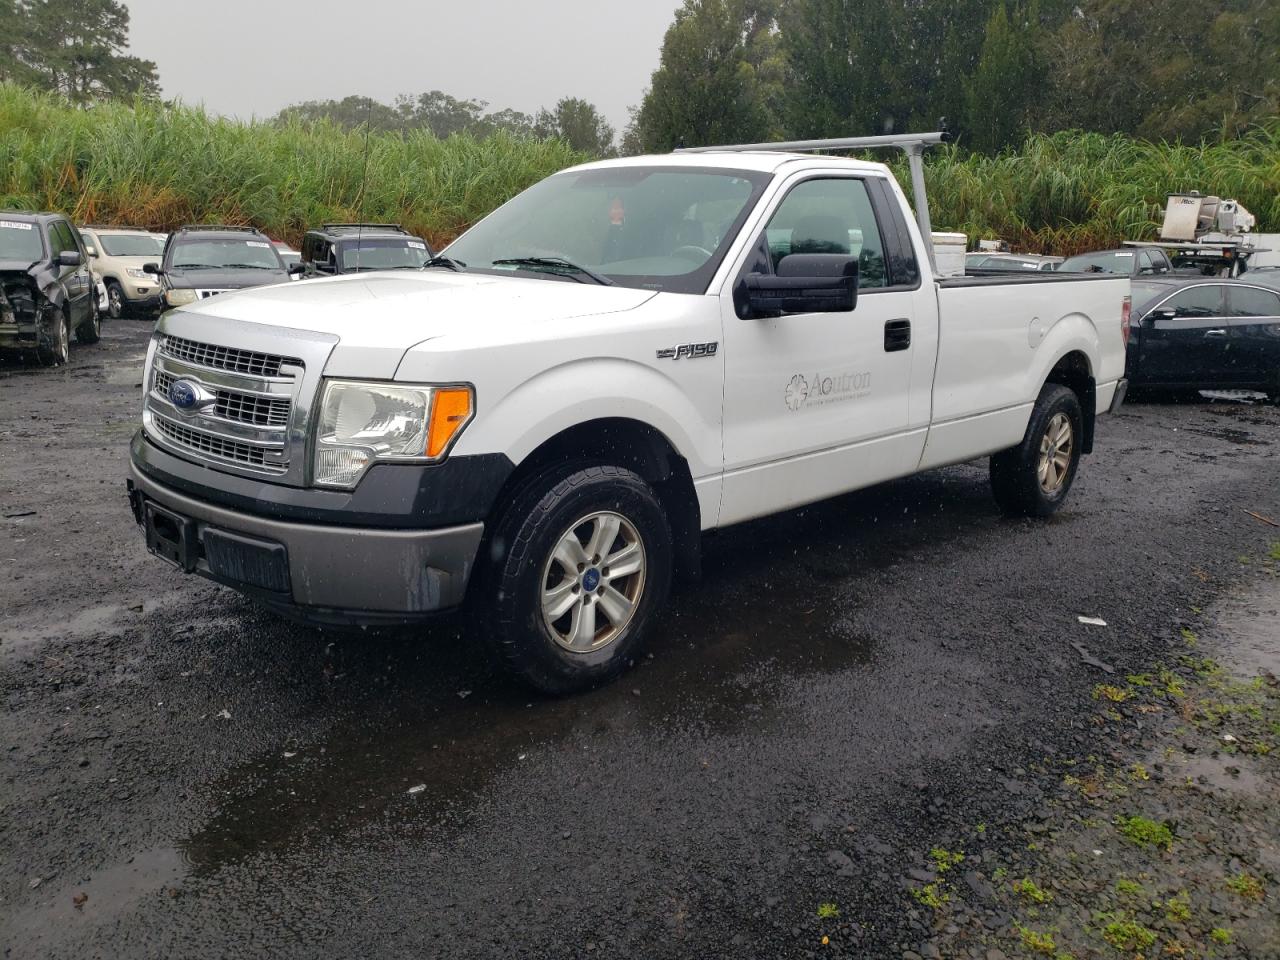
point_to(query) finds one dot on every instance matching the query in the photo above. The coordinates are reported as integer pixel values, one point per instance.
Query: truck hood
(378, 316)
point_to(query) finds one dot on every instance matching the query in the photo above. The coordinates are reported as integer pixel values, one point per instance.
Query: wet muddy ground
(182, 774)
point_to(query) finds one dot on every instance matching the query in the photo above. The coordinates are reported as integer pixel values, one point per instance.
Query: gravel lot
(851, 687)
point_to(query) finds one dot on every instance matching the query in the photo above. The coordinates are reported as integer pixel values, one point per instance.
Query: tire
(115, 300)
(560, 618)
(53, 339)
(91, 330)
(1034, 478)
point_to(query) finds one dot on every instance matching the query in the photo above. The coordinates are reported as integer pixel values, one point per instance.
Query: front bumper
(21, 334)
(331, 574)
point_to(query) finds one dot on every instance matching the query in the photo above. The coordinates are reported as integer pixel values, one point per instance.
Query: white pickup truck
(543, 421)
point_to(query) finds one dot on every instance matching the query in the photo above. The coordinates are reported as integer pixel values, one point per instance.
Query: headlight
(136, 273)
(362, 423)
(178, 298)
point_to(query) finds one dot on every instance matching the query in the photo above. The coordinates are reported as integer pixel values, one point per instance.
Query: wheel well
(1073, 372)
(640, 448)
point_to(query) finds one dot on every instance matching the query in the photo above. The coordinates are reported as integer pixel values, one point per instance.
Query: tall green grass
(158, 167)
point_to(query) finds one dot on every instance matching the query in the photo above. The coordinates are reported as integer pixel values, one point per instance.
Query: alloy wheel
(593, 581)
(1055, 453)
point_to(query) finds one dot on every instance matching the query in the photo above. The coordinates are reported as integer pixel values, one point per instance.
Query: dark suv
(202, 261)
(353, 247)
(46, 286)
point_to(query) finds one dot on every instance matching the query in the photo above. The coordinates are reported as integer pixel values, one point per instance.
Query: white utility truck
(543, 421)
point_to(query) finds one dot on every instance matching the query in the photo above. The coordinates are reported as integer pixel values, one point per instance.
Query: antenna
(364, 179)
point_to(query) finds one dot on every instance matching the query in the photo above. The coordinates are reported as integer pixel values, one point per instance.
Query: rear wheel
(581, 565)
(53, 338)
(1034, 478)
(91, 330)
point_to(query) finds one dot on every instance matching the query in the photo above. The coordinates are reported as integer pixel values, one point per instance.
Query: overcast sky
(252, 57)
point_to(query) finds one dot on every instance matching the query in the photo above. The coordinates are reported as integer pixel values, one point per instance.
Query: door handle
(897, 335)
(1218, 332)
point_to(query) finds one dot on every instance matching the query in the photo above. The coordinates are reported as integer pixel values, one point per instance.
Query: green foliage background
(155, 166)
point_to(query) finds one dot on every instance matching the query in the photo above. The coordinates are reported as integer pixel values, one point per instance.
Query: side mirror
(297, 269)
(70, 258)
(152, 268)
(91, 250)
(804, 283)
(1164, 313)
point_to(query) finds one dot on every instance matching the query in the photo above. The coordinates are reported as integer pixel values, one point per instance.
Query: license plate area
(263, 564)
(171, 536)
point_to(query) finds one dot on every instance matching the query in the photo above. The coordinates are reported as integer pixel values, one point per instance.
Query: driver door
(76, 279)
(816, 404)
(1186, 339)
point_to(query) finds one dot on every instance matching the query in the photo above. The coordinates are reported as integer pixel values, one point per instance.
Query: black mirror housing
(804, 283)
(297, 269)
(70, 258)
(151, 268)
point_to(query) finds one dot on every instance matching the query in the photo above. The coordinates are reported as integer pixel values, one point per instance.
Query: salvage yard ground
(876, 728)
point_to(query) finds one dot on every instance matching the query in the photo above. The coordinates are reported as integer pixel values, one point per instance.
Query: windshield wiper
(440, 260)
(559, 262)
(192, 266)
(247, 266)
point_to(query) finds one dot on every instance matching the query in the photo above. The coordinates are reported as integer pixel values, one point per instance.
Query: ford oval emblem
(184, 394)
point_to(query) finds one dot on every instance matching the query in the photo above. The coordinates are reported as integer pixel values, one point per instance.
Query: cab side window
(66, 239)
(1204, 301)
(830, 216)
(56, 245)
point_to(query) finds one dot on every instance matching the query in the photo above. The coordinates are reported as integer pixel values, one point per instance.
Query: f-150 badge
(689, 351)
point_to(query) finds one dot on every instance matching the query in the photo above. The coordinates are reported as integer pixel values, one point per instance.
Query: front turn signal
(451, 410)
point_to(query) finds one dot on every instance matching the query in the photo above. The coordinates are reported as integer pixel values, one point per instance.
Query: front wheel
(115, 300)
(581, 564)
(1033, 478)
(53, 337)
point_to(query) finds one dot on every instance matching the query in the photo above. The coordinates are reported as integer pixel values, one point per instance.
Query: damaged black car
(46, 287)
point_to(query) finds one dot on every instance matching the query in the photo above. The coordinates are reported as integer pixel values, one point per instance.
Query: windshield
(131, 245)
(658, 228)
(384, 253)
(225, 253)
(20, 241)
(1111, 261)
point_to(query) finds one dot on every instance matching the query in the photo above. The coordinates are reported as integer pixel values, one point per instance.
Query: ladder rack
(912, 144)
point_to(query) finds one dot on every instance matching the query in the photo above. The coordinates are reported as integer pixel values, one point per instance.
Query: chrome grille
(212, 445)
(254, 399)
(225, 358)
(239, 407)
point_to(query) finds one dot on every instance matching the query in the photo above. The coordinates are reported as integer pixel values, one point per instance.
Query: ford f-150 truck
(543, 421)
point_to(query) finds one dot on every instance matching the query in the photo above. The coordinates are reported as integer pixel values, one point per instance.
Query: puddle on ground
(103, 897)
(778, 601)
(1251, 624)
(1227, 774)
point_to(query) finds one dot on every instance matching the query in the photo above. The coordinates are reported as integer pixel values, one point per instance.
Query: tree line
(734, 71)
(572, 119)
(73, 47)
